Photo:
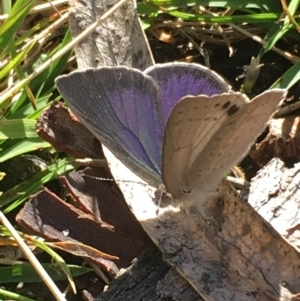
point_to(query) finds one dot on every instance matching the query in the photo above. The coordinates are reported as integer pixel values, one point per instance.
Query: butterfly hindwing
(193, 123)
(232, 141)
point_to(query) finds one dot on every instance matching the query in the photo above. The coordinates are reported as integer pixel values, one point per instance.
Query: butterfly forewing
(191, 126)
(119, 105)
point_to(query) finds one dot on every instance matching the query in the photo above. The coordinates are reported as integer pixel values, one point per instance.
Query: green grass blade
(27, 111)
(59, 262)
(278, 30)
(13, 296)
(26, 273)
(43, 84)
(17, 128)
(23, 147)
(289, 78)
(6, 6)
(237, 19)
(22, 191)
(146, 9)
(266, 5)
(15, 61)
(13, 22)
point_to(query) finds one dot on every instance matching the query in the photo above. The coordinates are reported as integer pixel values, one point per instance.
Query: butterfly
(176, 123)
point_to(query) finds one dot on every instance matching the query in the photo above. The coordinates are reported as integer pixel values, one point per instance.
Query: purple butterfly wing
(120, 106)
(176, 80)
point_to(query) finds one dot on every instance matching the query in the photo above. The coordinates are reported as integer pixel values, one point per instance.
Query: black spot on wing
(226, 105)
(232, 110)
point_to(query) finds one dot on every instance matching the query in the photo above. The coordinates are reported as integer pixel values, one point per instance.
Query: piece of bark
(283, 141)
(139, 281)
(67, 134)
(104, 201)
(176, 287)
(48, 216)
(275, 194)
(149, 278)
